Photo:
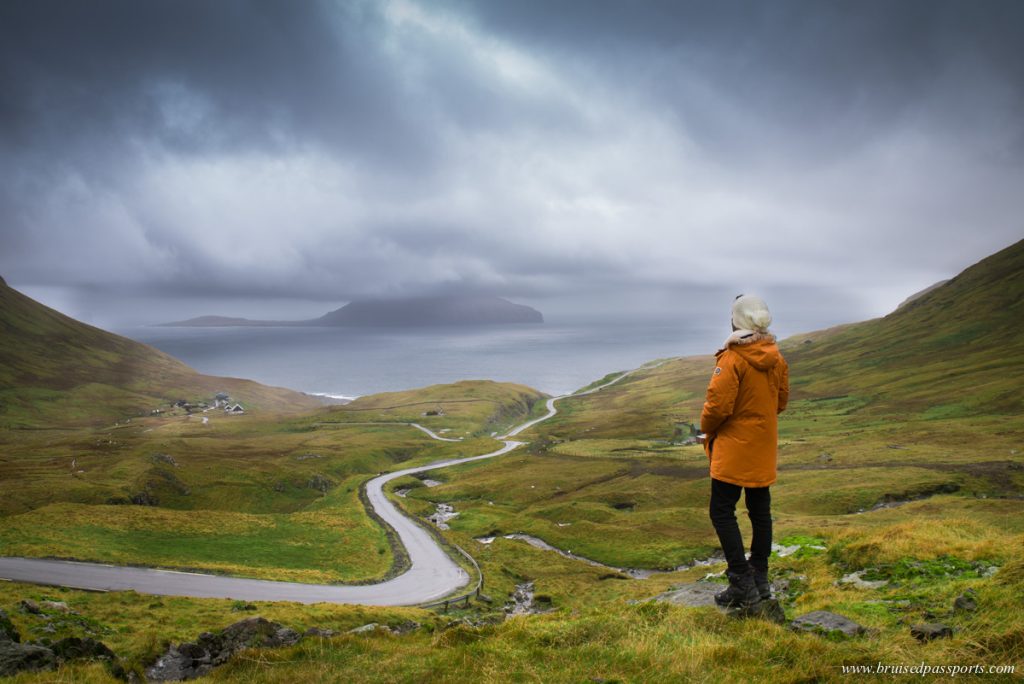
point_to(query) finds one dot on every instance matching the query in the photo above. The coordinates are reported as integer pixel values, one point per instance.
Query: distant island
(406, 312)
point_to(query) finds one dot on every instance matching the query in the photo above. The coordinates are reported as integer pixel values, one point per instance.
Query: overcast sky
(276, 159)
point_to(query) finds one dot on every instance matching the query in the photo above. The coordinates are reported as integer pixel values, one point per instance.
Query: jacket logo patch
(718, 371)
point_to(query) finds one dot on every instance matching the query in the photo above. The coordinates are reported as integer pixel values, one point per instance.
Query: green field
(902, 455)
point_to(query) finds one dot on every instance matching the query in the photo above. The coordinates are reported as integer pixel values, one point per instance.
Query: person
(748, 389)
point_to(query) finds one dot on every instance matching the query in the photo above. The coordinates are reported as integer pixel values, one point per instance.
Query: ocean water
(350, 362)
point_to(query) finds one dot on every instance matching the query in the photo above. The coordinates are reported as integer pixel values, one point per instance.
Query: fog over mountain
(162, 160)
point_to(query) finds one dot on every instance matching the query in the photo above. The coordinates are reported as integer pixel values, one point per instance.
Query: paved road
(432, 574)
(434, 434)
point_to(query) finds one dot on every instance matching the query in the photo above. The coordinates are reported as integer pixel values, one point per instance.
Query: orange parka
(748, 389)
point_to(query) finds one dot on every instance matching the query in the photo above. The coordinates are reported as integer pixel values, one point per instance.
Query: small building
(221, 399)
(234, 410)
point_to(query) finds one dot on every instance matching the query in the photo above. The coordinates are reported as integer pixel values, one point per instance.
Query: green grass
(334, 542)
(256, 482)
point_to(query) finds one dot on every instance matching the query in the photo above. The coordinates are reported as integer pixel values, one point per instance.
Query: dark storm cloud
(824, 75)
(197, 77)
(602, 152)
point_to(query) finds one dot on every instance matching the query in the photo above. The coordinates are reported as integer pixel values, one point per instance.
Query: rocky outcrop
(29, 606)
(189, 660)
(371, 628)
(857, 581)
(827, 623)
(521, 600)
(55, 607)
(696, 594)
(692, 594)
(75, 648)
(442, 515)
(765, 609)
(18, 657)
(930, 630)
(966, 601)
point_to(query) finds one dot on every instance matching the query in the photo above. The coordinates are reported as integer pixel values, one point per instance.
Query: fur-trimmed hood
(757, 348)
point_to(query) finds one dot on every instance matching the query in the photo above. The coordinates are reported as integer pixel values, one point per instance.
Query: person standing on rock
(749, 388)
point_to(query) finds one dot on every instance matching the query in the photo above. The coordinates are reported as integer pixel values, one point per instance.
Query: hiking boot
(764, 587)
(741, 591)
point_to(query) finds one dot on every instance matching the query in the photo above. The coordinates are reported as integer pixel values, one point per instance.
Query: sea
(346, 363)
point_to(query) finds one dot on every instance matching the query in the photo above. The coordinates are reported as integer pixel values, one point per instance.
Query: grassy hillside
(279, 495)
(96, 462)
(956, 351)
(901, 455)
(56, 370)
(926, 400)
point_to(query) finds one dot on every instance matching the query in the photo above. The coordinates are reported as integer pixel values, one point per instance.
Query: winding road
(432, 573)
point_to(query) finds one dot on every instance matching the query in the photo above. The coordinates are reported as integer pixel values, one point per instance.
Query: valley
(901, 459)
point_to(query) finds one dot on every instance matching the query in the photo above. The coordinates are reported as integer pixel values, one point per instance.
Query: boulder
(521, 601)
(365, 629)
(257, 632)
(827, 623)
(699, 594)
(73, 648)
(767, 609)
(8, 632)
(319, 632)
(405, 627)
(965, 602)
(857, 581)
(694, 594)
(16, 657)
(29, 606)
(190, 660)
(185, 661)
(926, 631)
(55, 606)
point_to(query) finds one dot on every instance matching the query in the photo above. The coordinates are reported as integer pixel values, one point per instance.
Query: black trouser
(723, 516)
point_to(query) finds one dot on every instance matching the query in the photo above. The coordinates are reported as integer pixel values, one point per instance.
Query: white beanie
(749, 312)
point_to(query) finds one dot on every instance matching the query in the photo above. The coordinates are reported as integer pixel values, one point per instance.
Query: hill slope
(56, 369)
(955, 350)
(922, 403)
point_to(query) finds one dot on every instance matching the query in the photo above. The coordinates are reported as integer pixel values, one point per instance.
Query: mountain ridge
(406, 311)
